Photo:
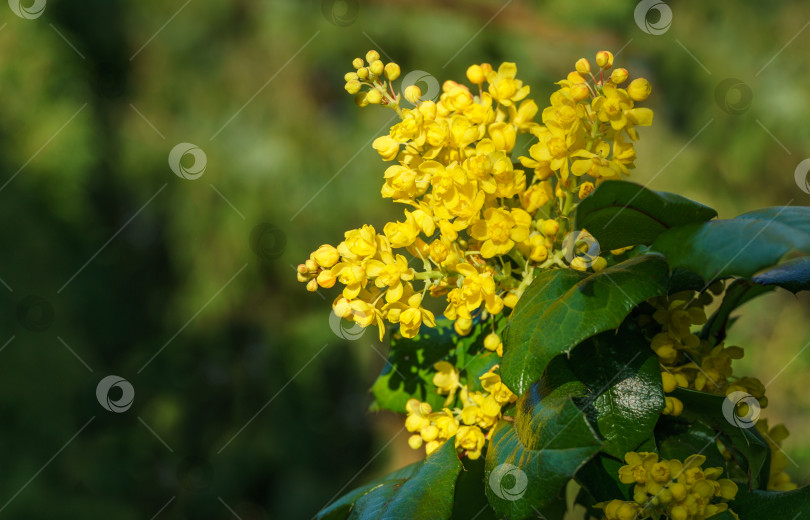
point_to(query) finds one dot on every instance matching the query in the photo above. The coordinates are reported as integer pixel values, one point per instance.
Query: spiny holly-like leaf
(737, 293)
(424, 491)
(737, 247)
(621, 213)
(530, 460)
(563, 307)
(773, 505)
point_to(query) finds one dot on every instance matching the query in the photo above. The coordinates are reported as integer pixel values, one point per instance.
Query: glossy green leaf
(679, 440)
(793, 275)
(624, 387)
(796, 217)
(773, 505)
(736, 247)
(563, 307)
(424, 490)
(470, 500)
(530, 460)
(748, 442)
(620, 213)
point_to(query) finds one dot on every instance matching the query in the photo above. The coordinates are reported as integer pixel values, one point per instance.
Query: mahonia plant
(584, 316)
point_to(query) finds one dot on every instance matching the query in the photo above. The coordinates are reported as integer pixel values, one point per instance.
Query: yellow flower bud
(391, 71)
(583, 66)
(598, 264)
(415, 441)
(678, 491)
(357, 63)
(374, 97)
(412, 93)
(302, 269)
(350, 76)
(463, 326)
(550, 227)
(386, 147)
(372, 56)
(510, 300)
(669, 382)
(618, 76)
(604, 59)
(326, 256)
(639, 89)
(585, 189)
(476, 74)
(432, 446)
(353, 86)
(579, 91)
(376, 67)
(579, 264)
(429, 433)
(678, 513)
(311, 265)
(492, 341)
(360, 99)
(574, 78)
(362, 73)
(312, 285)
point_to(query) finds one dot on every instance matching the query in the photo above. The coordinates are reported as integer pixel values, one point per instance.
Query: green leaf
(773, 505)
(624, 387)
(797, 217)
(529, 461)
(737, 247)
(563, 307)
(793, 275)
(620, 213)
(600, 478)
(424, 491)
(748, 442)
(679, 440)
(470, 501)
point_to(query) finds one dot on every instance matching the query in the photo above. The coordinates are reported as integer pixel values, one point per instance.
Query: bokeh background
(246, 402)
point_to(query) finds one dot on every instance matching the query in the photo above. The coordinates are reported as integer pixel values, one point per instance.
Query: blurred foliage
(258, 405)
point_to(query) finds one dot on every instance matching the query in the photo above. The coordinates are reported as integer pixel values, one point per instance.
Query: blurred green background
(246, 402)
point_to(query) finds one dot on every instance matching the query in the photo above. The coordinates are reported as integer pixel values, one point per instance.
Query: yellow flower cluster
(679, 490)
(470, 424)
(479, 226)
(689, 362)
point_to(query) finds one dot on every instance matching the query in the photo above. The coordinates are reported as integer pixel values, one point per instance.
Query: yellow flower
(402, 234)
(417, 415)
(389, 272)
(470, 439)
(404, 183)
(536, 196)
(504, 88)
(358, 244)
(500, 229)
(611, 106)
(411, 316)
(446, 378)
(477, 288)
(326, 256)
